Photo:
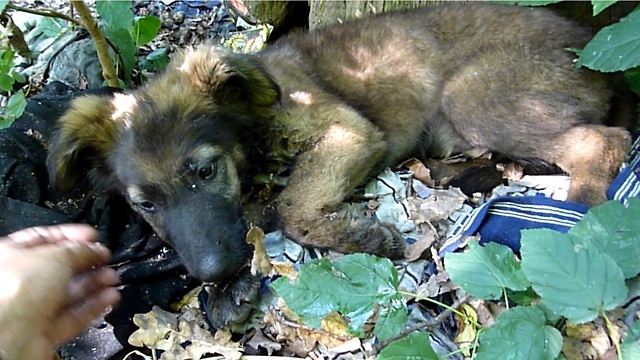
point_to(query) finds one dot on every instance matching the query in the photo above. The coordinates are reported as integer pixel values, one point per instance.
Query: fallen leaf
(427, 239)
(259, 340)
(260, 263)
(419, 171)
(467, 332)
(512, 172)
(153, 327)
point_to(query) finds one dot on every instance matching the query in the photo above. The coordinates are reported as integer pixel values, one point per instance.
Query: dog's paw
(231, 303)
(378, 239)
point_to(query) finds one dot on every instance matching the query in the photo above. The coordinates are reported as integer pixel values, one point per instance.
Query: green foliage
(578, 275)
(125, 31)
(352, 286)
(156, 60)
(630, 347)
(520, 333)
(615, 47)
(599, 5)
(145, 29)
(612, 229)
(415, 346)
(485, 271)
(576, 281)
(8, 77)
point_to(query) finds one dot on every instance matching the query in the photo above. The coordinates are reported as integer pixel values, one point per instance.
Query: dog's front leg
(349, 149)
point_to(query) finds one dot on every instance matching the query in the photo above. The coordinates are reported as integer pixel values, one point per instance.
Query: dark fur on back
(332, 107)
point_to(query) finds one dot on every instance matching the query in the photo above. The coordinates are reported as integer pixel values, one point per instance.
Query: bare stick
(108, 71)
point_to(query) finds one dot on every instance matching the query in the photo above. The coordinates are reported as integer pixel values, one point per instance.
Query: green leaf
(613, 229)
(526, 297)
(156, 60)
(145, 29)
(6, 60)
(615, 47)
(415, 346)
(352, 286)
(599, 5)
(573, 280)
(630, 348)
(391, 320)
(115, 14)
(14, 109)
(484, 271)
(520, 333)
(126, 47)
(632, 79)
(6, 82)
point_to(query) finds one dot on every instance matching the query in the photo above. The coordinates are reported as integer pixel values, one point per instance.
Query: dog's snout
(212, 269)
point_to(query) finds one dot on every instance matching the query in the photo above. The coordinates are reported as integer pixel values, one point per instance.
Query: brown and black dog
(333, 107)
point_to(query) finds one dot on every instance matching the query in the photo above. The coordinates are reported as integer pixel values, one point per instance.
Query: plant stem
(611, 333)
(436, 320)
(451, 308)
(108, 71)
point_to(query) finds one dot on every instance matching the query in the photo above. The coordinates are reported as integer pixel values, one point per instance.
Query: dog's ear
(86, 132)
(234, 80)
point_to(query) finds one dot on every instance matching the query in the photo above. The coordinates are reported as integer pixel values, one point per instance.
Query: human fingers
(39, 235)
(78, 257)
(73, 319)
(85, 284)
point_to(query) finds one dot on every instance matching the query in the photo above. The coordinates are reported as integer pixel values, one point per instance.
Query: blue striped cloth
(501, 219)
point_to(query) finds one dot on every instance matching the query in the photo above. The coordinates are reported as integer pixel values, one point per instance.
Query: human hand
(53, 283)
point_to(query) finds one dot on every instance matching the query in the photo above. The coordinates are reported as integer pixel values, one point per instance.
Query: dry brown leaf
(259, 340)
(435, 285)
(427, 239)
(260, 263)
(285, 269)
(592, 335)
(419, 171)
(574, 349)
(437, 207)
(512, 172)
(467, 332)
(297, 338)
(485, 317)
(153, 327)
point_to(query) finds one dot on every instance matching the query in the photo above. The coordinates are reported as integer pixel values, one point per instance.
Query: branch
(421, 326)
(108, 71)
(45, 12)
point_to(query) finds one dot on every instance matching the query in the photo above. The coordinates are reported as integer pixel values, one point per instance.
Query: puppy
(331, 108)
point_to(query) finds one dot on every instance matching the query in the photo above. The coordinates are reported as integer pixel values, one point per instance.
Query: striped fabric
(501, 219)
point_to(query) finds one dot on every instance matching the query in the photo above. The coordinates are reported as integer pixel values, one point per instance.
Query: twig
(421, 326)
(45, 12)
(108, 71)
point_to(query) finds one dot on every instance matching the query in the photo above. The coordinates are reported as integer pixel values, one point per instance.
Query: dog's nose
(212, 269)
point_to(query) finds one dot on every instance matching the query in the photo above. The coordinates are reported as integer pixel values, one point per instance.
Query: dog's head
(173, 149)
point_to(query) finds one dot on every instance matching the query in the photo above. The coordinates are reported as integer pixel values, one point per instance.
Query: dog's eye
(147, 206)
(207, 171)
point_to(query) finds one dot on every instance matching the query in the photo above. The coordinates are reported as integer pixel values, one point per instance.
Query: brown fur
(334, 107)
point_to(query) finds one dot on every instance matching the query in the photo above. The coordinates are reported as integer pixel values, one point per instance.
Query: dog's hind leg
(309, 207)
(592, 155)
